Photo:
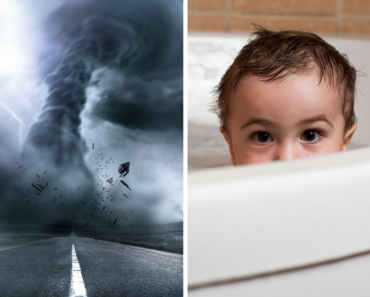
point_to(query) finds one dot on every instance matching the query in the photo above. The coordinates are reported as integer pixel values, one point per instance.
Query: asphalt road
(44, 268)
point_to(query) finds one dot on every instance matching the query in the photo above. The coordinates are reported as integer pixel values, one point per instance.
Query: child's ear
(348, 136)
(228, 140)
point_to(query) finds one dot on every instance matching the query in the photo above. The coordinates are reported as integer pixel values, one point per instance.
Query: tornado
(120, 35)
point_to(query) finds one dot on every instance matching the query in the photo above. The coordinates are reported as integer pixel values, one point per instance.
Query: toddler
(288, 94)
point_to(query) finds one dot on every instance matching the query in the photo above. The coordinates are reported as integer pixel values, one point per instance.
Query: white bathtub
(290, 228)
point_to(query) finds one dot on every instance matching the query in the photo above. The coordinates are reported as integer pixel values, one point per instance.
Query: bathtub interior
(208, 58)
(309, 217)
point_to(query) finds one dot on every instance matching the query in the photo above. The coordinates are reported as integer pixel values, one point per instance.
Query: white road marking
(77, 282)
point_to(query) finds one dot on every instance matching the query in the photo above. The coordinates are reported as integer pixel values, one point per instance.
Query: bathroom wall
(344, 18)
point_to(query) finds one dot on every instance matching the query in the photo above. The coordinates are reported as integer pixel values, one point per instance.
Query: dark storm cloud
(146, 106)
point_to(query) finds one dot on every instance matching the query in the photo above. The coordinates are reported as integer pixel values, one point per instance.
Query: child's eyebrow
(258, 121)
(319, 118)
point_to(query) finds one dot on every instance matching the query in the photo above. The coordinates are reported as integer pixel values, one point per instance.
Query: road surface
(100, 268)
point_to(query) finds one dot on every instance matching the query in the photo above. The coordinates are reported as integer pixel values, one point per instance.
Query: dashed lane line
(77, 282)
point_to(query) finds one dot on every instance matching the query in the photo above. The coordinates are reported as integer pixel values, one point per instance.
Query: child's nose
(287, 150)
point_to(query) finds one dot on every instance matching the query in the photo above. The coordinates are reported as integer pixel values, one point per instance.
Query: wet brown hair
(274, 55)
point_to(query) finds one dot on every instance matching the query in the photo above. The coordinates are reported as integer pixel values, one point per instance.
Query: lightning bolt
(20, 132)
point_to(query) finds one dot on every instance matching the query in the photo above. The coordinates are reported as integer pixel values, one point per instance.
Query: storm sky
(86, 72)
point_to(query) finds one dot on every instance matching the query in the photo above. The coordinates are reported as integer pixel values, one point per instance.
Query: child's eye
(262, 137)
(311, 136)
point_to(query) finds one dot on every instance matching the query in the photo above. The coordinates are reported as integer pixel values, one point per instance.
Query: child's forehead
(290, 99)
(310, 80)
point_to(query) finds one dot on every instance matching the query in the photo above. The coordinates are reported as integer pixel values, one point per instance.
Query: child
(287, 95)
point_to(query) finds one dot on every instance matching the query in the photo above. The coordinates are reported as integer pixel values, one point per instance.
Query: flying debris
(45, 172)
(115, 221)
(19, 167)
(125, 184)
(124, 169)
(93, 146)
(78, 188)
(39, 188)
